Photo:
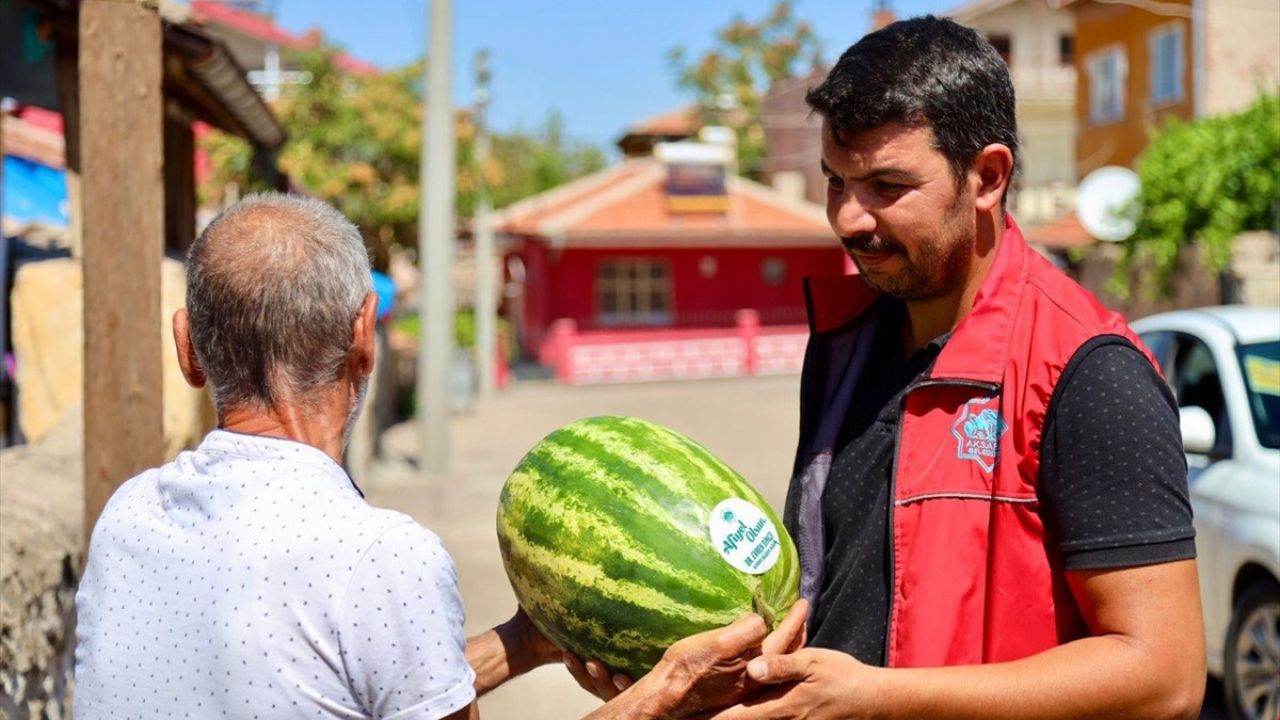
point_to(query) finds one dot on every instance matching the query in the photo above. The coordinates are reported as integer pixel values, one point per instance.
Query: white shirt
(249, 579)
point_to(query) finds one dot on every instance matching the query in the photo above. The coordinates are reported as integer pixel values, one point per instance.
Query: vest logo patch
(978, 431)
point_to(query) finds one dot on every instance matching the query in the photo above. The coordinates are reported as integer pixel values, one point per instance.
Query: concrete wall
(1253, 277)
(1242, 53)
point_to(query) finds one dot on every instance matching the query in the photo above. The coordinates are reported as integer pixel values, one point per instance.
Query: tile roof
(262, 27)
(627, 204)
(680, 121)
(1061, 234)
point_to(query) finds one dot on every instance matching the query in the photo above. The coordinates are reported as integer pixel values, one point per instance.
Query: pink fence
(602, 356)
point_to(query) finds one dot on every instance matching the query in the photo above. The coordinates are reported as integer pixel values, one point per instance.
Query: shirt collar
(263, 447)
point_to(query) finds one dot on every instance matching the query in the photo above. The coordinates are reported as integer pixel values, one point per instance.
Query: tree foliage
(354, 141)
(731, 79)
(523, 164)
(1205, 182)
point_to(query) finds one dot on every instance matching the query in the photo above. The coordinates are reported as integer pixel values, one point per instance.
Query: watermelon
(621, 537)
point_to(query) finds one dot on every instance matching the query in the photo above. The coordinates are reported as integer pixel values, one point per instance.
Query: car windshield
(1261, 365)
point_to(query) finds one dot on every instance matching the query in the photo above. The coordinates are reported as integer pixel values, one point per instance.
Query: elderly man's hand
(699, 673)
(811, 683)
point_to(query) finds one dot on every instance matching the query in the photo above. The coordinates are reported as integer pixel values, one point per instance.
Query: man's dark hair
(923, 72)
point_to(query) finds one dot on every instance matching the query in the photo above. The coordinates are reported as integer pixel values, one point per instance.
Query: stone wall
(1253, 278)
(41, 552)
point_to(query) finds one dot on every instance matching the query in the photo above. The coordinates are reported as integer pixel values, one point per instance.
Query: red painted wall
(561, 284)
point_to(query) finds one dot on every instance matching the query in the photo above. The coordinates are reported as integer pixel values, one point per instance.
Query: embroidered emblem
(978, 431)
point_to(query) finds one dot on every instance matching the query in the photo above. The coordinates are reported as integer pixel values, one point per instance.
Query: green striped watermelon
(609, 539)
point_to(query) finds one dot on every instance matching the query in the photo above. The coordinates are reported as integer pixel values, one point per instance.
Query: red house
(656, 253)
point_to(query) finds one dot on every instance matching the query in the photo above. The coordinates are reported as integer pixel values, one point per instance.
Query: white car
(1223, 365)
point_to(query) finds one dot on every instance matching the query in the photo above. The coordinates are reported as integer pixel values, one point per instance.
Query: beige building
(1241, 53)
(1038, 43)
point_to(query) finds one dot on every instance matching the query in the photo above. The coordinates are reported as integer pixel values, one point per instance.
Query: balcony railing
(1054, 83)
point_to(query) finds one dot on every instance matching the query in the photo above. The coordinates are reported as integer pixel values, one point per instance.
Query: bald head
(273, 287)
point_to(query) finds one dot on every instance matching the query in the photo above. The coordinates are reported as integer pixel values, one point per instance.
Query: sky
(601, 63)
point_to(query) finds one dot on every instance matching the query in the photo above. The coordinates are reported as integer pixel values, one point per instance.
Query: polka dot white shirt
(249, 579)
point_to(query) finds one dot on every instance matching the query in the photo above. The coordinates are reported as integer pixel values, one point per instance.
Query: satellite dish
(1105, 202)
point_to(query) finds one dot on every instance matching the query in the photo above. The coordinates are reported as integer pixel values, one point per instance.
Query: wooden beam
(179, 181)
(122, 164)
(68, 78)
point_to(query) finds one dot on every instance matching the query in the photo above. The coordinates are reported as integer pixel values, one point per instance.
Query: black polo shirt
(1116, 502)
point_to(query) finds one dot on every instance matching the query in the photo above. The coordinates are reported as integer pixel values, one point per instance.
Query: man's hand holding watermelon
(700, 673)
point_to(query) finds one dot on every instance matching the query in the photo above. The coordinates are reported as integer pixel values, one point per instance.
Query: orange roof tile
(1061, 234)
(262, 27)
(681, 121)
(628, 204)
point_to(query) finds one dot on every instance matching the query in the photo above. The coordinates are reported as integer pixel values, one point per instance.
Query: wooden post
(179, 182)
(69, 102)
(122, 164)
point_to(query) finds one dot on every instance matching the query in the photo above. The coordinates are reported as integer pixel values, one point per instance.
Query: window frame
(633, 292)
(1066, 49)
(1094, 67)
(1224, 441)
(1178, 93)
(1005, 39)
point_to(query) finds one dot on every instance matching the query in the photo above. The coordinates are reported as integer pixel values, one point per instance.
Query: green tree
(1204, 182)
(526, 164)
(731, 79)
(354, 141)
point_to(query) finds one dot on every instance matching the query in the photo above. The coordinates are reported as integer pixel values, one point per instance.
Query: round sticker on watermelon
(745, 536)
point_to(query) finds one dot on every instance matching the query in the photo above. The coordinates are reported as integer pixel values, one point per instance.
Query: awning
(200, 76)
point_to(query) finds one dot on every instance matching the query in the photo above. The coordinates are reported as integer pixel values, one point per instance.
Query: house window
(1066, 49)
(1108, 70)
(773, 271)
(633, 292)
(1166, 64)
(1003, 45)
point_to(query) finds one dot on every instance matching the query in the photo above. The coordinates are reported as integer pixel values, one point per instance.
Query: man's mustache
(868, 244)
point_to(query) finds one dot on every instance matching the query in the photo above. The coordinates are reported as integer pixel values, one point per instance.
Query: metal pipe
(486, 307)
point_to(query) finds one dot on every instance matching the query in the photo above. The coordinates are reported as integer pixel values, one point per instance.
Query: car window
(1261, 365)
(1158, 343)
(1193, 375)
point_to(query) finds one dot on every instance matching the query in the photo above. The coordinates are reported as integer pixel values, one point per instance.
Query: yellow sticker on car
(1264, 374)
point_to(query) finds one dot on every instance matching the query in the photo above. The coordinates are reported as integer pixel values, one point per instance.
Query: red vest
(975, 579)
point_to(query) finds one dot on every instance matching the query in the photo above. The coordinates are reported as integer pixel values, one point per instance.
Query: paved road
(749, 423)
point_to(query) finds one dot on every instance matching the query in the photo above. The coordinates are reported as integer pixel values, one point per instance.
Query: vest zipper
(893, 481)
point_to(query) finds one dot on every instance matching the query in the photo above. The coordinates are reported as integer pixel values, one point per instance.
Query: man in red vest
(990, 494)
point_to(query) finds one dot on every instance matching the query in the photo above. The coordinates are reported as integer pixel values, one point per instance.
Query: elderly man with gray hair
(248, 578)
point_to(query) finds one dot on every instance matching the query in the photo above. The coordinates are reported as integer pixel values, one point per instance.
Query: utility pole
(435, 243)
(486, 302)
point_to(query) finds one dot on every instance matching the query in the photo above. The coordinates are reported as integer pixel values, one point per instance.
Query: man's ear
(187, 360)
(362, 344)
(993, 168)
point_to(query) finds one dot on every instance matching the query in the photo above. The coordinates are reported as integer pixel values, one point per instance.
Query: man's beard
(353, 414)
(938, 269)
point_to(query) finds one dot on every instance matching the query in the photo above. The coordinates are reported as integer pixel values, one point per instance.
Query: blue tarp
(33, 193)
(386, 290)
